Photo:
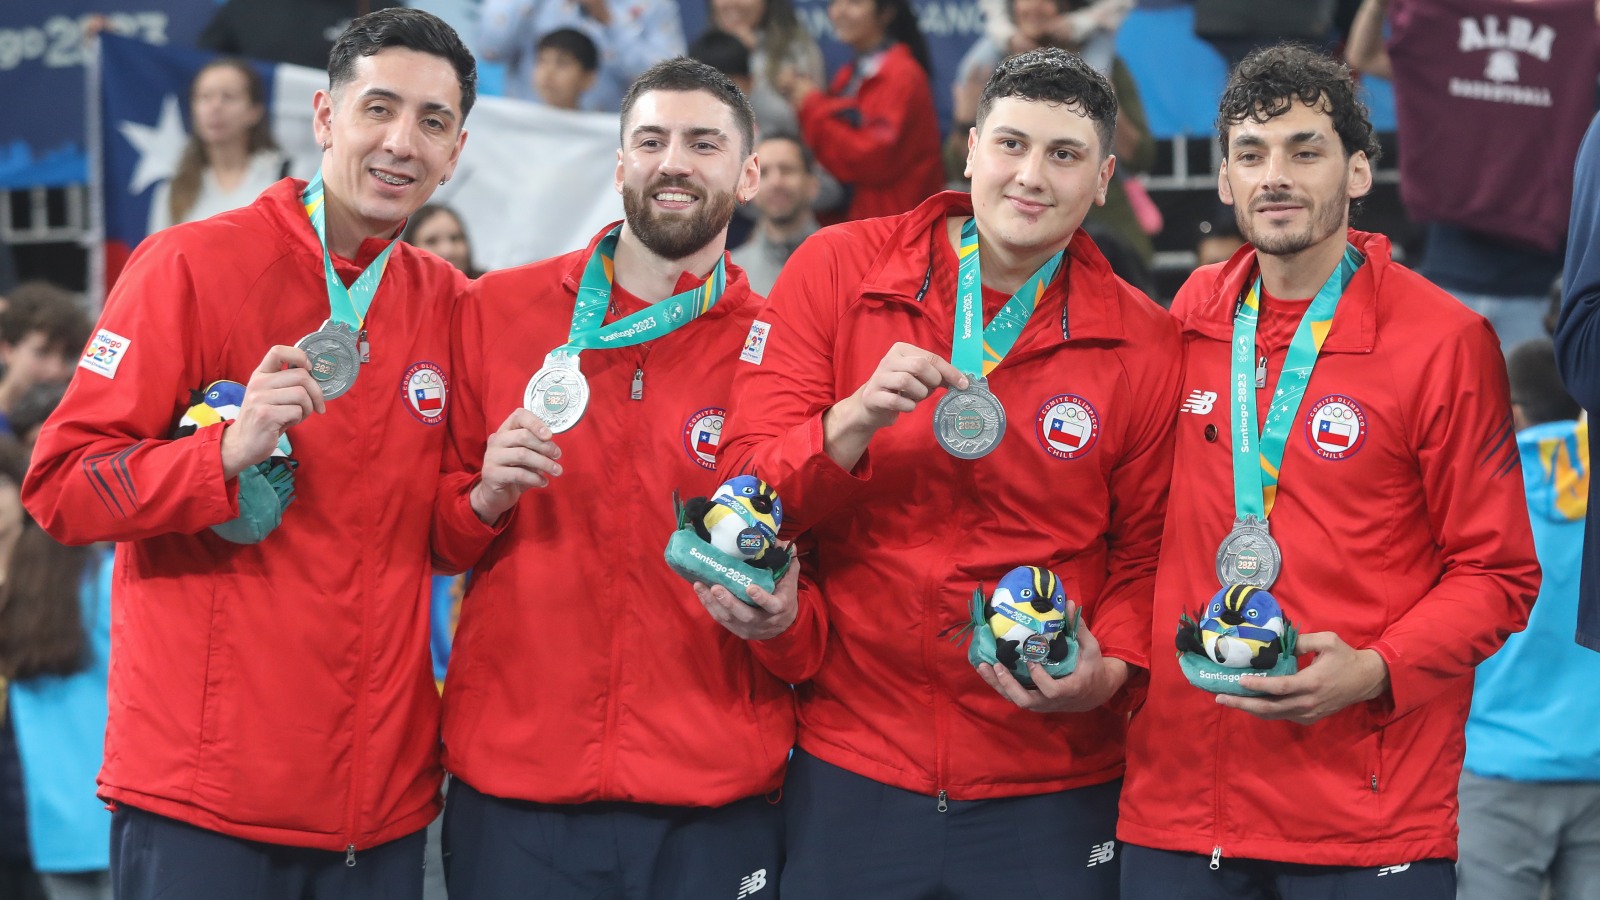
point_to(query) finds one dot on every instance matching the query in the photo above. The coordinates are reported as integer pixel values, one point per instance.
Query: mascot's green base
(261, 505)
(1207, 675)
(696, 560)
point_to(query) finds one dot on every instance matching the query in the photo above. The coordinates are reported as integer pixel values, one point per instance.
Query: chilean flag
(140, 114)
(1069, 433)
(706, 441)
(430, 399)
(1336, 434)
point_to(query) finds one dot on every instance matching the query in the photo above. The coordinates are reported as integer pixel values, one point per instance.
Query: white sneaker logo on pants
(1393, 870)
(751, 883)
(1200, 402)
(1102, 853)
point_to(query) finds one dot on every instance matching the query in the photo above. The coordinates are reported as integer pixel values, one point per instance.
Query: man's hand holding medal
(280, 395)
(521, 454)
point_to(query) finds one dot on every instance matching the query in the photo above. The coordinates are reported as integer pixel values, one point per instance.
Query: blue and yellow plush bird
(1026, 612)
(265, 489)
(1241, 628)
(742, 520)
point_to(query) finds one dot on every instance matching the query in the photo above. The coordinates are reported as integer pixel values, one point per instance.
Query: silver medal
(335, 355)
(558, 392)
(1249, 555)
(969, 424)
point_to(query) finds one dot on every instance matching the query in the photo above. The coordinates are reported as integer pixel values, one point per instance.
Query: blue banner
(42, 58)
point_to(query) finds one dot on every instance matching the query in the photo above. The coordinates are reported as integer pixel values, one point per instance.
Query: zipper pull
(350, 856)
(1374, 784)
(1261, 373)
(1216, 857)
(366, 348)
(637, 391)
(944, 804)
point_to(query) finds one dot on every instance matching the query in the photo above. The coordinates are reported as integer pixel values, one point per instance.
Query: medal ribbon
(976, 353)
(1256, 462)
(346, 305)
(589, 330)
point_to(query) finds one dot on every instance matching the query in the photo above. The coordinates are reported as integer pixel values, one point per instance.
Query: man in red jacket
(272, 728)
(915, 775)
(608, 737)
(1345, 443)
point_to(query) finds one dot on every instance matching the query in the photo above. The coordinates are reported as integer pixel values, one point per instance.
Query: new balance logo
(1102, 853)
(751, 883)
(1200, 402)
(1393, 870)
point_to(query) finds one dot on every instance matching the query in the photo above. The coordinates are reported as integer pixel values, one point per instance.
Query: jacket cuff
(219, 493)
(787, 656)
(460, 537)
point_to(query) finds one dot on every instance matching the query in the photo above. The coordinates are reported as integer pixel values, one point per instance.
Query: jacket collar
(1355, 323)
(281, 204)
(901, 271)
(735, 289)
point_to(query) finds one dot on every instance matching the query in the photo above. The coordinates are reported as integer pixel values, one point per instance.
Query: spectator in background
(565, 67)
(725, 53)
(42, 331)
(1496, 219)
(875, 128)
(1578, 350)
(1128, 214)
(55, 642)
(1086, 27)
(230, 157)
(631, 37)
(18, 881)
(788, 186)
(439, 230)
(1530, 795)
(777, 41)
(301, 32)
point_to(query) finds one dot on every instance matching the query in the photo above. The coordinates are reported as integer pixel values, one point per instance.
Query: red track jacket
(1404, 530)
(884, 141)
(279, 692)
(584, 669)
(902, 540)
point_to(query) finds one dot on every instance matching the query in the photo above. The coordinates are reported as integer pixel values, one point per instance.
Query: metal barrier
(45, 215)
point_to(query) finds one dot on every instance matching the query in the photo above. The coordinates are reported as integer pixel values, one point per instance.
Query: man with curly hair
(1346, 444)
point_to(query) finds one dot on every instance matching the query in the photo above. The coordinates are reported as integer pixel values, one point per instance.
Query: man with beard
(917, 776)
(1346, 442)
(788, 188)
(607, 736)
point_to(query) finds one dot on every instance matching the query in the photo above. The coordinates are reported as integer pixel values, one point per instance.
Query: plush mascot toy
(265, 489)
(731, 537)
(1241, 631)
(1023, 621)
